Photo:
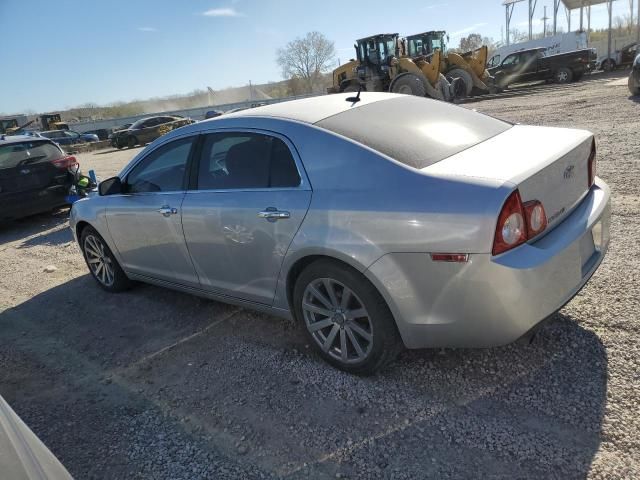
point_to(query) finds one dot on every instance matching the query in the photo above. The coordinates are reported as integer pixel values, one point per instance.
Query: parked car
(35, 176)
(212, 114)
(532, 65)
(24, 456)
(147, 130)
(394, 219)
(101, 133)
(634, 77)
(620, 58)
(69, 137)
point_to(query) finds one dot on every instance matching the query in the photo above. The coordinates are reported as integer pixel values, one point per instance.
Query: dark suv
(35, 176)
(147, 130)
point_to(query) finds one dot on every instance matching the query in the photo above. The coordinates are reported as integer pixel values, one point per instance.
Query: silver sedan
(374, 221)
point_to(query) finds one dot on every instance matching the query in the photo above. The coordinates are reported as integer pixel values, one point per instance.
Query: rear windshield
(24, 153)
(415, 131)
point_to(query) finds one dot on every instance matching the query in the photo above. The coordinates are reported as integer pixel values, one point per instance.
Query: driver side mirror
(111, 186)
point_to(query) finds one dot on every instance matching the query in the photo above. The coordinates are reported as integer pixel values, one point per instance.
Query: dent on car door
(145, 221)
(245, 207)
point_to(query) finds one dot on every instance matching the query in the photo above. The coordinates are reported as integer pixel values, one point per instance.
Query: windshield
(139, 123)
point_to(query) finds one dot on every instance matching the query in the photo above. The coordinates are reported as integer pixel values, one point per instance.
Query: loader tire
(465, 84)
(409, 84)
(352, 88)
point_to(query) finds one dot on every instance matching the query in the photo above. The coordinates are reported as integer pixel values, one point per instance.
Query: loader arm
(430, 70)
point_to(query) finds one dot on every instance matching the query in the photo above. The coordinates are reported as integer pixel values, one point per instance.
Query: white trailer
(560, 43)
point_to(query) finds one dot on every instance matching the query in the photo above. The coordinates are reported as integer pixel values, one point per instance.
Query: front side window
(245, 161)
(163, 170)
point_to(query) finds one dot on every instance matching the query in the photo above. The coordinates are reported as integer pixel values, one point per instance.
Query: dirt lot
(157, 384)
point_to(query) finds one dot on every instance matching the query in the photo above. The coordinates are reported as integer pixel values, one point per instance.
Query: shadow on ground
(13, 230)
(91, 373)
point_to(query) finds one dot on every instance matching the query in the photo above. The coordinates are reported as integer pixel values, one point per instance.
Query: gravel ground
(157, 384)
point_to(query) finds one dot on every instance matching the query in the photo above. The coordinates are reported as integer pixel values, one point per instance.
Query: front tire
(563, 75)
(465, 84)
(409, 84)
(608, 65)
(345, 318)
(102, 264)
(132, 142)
(633, 89)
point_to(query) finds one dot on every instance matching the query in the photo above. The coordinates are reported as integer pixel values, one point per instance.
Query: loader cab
(376, 51)
(424, 44)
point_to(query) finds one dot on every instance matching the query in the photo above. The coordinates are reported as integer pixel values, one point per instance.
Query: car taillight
(592, 164)
(518, 223)
(65, 162)
(511, 230)
(536, 218)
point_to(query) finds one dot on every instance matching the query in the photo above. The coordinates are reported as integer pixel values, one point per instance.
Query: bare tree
(307, 58)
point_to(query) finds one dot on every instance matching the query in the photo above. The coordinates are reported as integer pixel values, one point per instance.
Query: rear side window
(245, 160)
(414, 131)
(27, 153)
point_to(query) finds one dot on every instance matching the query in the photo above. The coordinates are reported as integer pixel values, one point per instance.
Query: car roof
(9, 139)
(312, 109)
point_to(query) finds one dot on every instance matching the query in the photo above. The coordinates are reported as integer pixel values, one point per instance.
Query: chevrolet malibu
(374, 221)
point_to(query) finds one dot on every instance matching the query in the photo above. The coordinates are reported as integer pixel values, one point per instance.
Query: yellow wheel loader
(470, 67)
(381, 65)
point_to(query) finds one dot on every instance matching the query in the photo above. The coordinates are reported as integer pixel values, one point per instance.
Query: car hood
(24, 456)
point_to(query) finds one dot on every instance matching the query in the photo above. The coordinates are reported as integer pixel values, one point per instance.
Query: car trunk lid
(545, 164)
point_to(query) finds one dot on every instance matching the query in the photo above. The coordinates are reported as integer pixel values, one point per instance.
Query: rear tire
(101, 262)
(465, 84)
(345, 318)
(563, 75)
(409, 84)
(608, 65)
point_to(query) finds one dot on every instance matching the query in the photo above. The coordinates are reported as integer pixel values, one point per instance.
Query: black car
(35, 176)
(533, 65)
(147, 130)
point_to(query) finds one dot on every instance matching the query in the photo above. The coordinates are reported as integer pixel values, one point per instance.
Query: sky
(65, 53)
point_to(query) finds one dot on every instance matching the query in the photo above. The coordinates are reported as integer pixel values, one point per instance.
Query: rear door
(246, 204)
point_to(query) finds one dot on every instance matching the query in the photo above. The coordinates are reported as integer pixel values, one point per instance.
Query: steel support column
(532, 9)
(556, 6)
(609, 8)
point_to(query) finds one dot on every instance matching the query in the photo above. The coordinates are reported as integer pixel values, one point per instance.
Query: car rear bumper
(491, 301)
(18, 205)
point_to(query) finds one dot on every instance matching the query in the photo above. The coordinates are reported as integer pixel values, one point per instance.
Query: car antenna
(355, 99)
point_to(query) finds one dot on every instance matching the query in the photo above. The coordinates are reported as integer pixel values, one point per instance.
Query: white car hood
(22, 455)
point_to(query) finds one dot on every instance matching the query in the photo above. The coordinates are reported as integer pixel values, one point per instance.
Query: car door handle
(167, 211)
(273, 214)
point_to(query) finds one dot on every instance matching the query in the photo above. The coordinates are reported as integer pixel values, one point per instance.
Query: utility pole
(544, 22)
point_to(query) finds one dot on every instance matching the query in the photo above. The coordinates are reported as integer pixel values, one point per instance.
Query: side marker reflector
(450, 257)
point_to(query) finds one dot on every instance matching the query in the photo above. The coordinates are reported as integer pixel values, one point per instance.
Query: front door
(145, 221)
(242, 213)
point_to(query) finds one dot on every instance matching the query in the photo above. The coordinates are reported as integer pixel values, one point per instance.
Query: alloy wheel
(99, 260)
(337, 320)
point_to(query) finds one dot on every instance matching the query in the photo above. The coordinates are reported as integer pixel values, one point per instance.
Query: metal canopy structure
(569, 6)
